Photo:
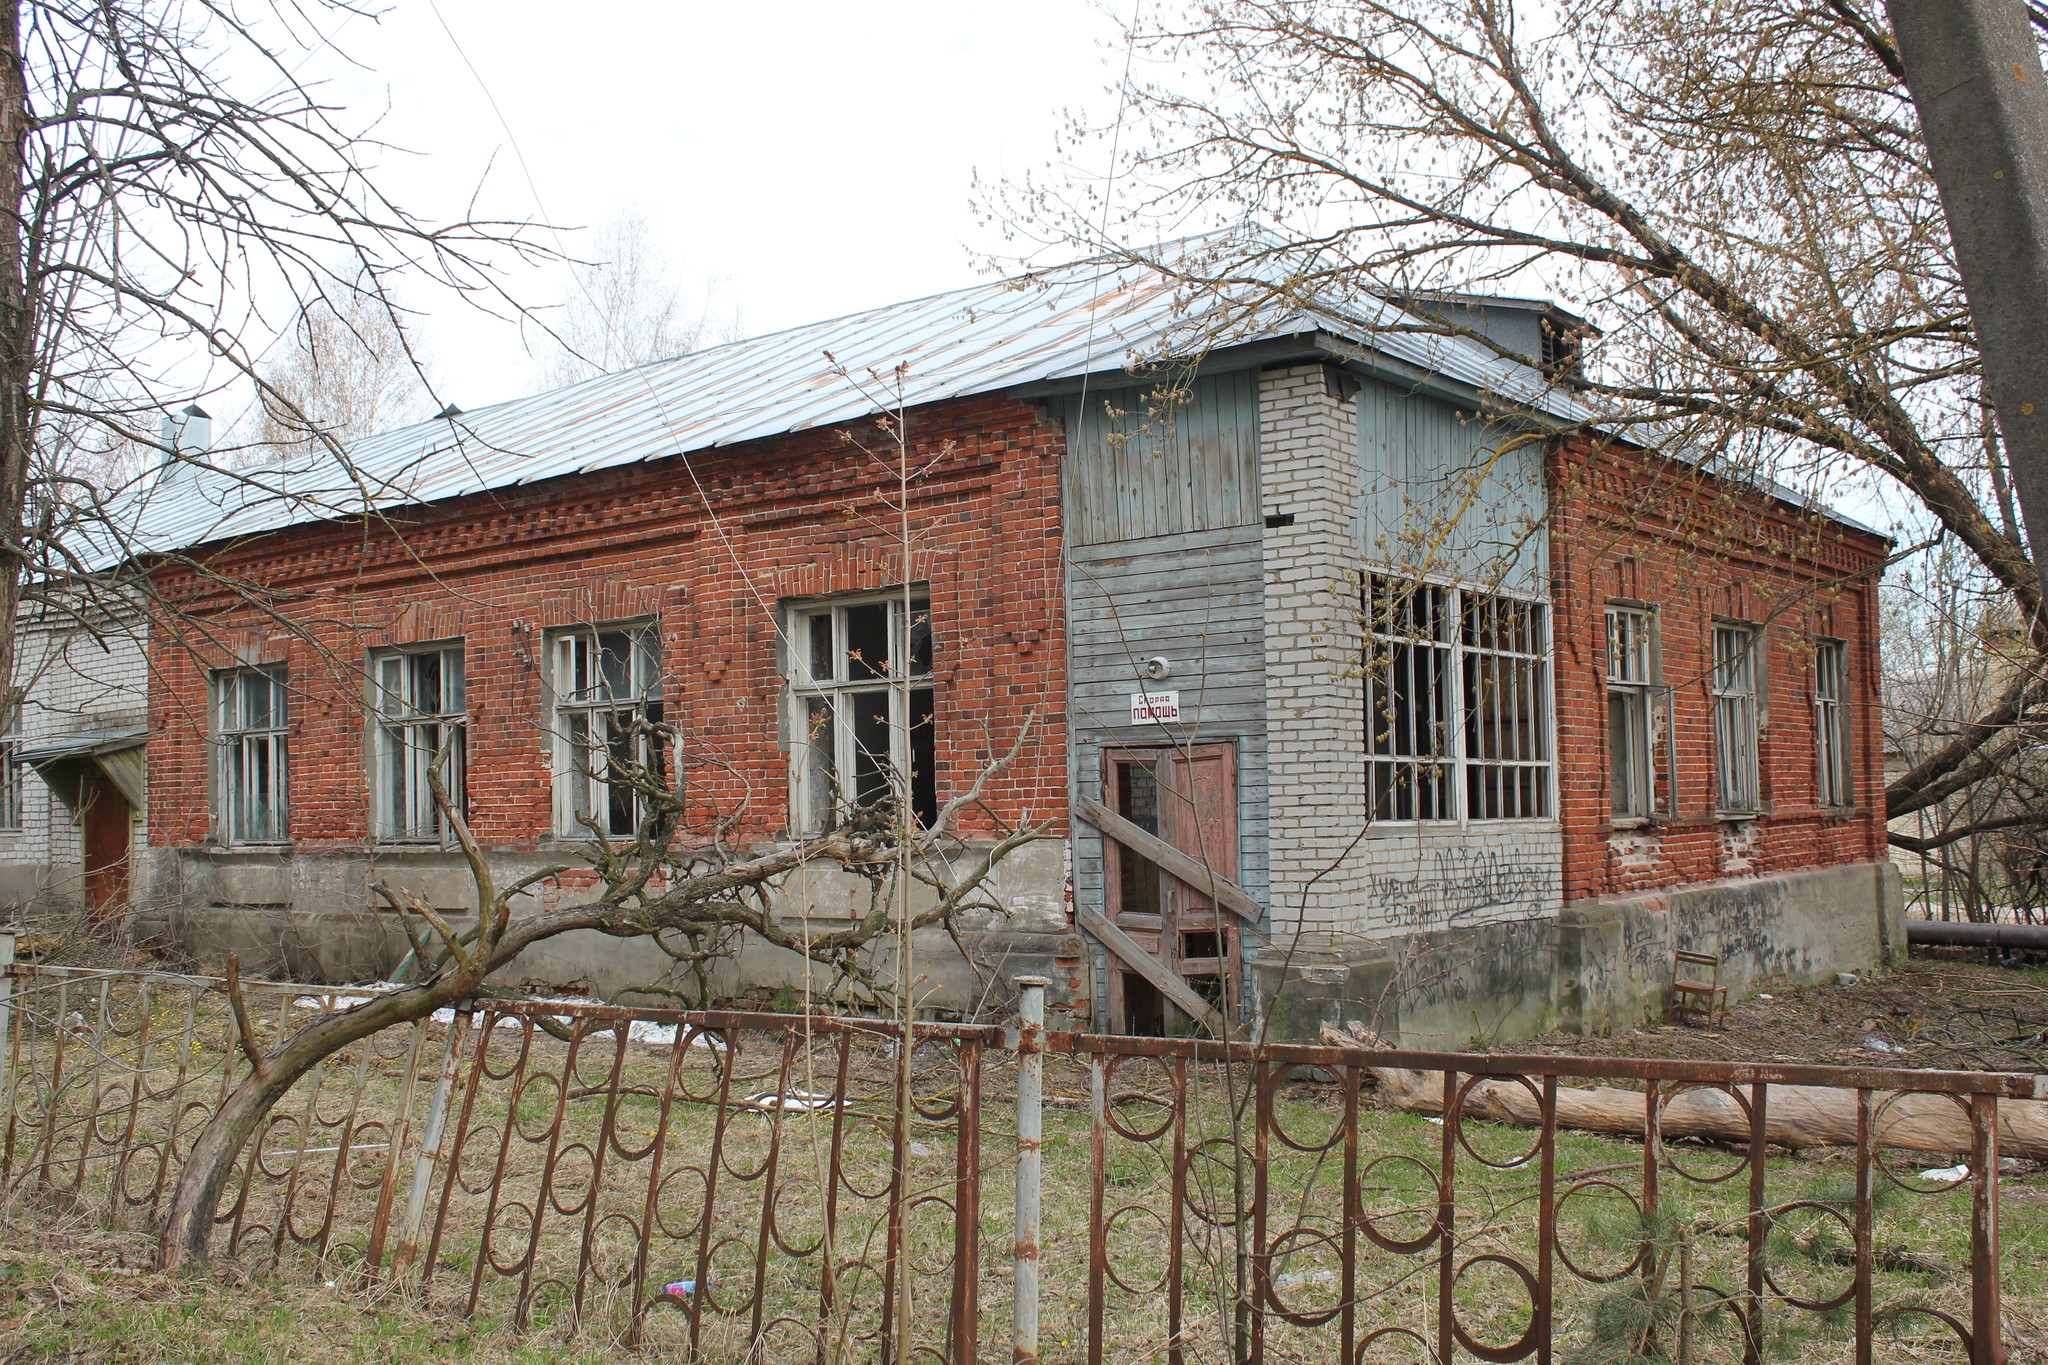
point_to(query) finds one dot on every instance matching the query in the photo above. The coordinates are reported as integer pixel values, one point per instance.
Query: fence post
(1030, 1134)
(431, 1154)
(1987, 1332)
(6, 1013)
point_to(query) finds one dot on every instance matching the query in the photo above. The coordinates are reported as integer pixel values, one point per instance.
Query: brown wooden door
(1188, 798)
(104, 813)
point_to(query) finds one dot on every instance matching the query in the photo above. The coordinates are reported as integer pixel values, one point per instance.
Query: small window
(863, 710)
(249, 725)
(11, 774)
(418, 696)
(1631, 713)
(1831, 725)
(607, 705)
(1735, 715)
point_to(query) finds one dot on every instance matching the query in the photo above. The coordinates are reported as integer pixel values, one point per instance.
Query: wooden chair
(1696, 990)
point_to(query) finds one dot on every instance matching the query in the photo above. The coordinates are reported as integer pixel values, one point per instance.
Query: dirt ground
(1933, 1015)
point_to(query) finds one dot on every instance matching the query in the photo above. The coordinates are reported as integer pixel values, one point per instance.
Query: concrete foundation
(1597, 967)
(307, 917)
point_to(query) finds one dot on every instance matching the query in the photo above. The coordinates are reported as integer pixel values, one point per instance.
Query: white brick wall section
(1309, 467)
(77, 683)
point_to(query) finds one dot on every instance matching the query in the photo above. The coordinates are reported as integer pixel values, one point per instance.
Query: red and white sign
(1154, 706)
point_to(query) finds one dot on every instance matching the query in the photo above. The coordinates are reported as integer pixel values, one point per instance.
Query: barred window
(1735, 719)
(419, 699)
(1830, 725)
(865, 740)
(607, 695)
(1457, 693)
(1631, 712)
(254, 773)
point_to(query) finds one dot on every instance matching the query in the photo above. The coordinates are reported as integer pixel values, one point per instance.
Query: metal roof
(1060, 324)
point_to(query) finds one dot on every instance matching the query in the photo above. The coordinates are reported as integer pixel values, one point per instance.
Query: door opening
(1187, 798)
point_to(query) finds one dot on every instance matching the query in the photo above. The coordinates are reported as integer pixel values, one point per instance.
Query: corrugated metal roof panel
(1054, 325)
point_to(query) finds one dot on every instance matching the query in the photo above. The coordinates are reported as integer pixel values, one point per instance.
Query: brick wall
(708, 546)
(1629, 525)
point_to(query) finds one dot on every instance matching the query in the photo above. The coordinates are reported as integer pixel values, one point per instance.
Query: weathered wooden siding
(1446, 493)
(1164, 466)
(1196, 600)
(1165, 560)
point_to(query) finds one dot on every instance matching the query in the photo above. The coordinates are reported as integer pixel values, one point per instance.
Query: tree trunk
(1975, 74)
(1797, 1116)
(189, 1224)
(17, 349)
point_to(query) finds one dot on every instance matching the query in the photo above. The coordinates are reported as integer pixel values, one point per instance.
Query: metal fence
(761, 1187)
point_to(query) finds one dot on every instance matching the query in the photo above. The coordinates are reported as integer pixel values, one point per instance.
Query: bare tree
(176, 196)
(1738, 195)
(351, 371)
(625, 308)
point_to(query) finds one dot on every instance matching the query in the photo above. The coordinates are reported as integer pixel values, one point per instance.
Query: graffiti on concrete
(1453, 888)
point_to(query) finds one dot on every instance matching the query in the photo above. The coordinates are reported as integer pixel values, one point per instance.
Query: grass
(74, 1282)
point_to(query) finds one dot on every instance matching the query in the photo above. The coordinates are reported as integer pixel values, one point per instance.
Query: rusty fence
(762, 1187)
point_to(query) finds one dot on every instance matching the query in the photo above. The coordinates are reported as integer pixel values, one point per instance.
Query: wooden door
(1186, 797)
(104, 814)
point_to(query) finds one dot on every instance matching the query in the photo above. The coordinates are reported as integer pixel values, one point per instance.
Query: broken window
(862, 718)
(1830, 725)
(1457, 687)
(1631, 712)
(607, 705)
(419, 701)
(1735, 719)
(249, 730)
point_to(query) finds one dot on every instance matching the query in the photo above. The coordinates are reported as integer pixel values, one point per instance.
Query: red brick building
(1469, 725)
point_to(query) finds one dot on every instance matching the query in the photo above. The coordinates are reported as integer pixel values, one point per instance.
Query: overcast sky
(818, 157)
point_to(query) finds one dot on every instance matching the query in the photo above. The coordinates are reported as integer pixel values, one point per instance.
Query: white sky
(816, 156)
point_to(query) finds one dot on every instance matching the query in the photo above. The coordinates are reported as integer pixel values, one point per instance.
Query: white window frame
(1834, 785)
(252, 750)
(1633, 694)
(12, 780)
(409, 728)
(830, 678)
(616, 704)
(1464, 763)
(1735, 690)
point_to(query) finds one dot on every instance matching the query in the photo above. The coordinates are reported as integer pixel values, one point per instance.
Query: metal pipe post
(1030, 1135)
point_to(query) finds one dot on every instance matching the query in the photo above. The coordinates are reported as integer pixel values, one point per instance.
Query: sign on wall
(1154, 706)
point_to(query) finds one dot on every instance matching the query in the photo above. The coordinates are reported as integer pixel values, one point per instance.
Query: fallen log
(1796, 1115)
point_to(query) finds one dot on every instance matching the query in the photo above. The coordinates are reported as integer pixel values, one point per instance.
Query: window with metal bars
(607, 698)
(1457, 701)
(1631, 712)
(862, 710)
(1735, 719)
(1831, 724)
(253, 777)
(420, 701)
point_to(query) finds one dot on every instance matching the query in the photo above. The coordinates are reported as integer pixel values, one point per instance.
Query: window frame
(1834, 776)
(392, 731)
(241, 750)
(1734, 683)
(816, 706)
(13, 780)
(576, 786)
(1443, 634)
(1636, 685)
